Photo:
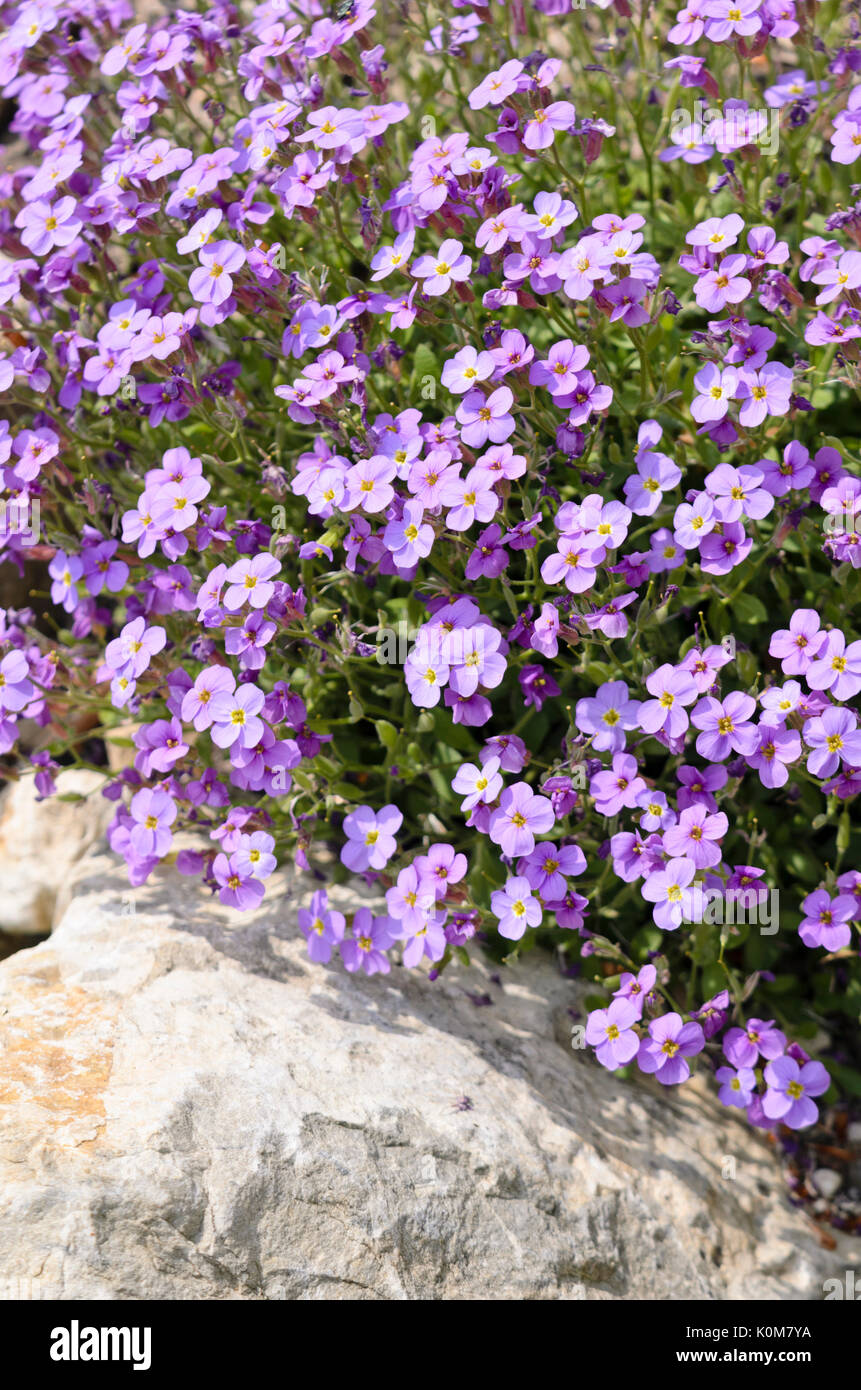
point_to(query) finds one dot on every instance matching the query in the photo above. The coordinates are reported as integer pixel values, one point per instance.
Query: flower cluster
(419, 468)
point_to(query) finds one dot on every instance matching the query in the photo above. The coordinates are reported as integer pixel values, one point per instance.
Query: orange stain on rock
(56, 1053)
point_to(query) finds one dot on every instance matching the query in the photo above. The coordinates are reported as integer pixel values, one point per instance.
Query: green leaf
(748, 609)
(387, 732)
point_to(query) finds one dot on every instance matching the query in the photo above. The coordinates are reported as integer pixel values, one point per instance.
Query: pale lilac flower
(725, 726)
(637, 988)
(153, 812)
(365, 949)
(790, 1091)
(130, 653)
(743, 1047)
(468, 367)
(486, 417)
(834, 738)
(212, 282)
(410, 900)
(250, 581)
(477, 784)
(323, 927)
(715, 389)
(736, 1087)
(521, 816)
(697, 836)
(777, 747)
(16, 688)
(836, 667)
(370, 837)
(672, 689)
(391, 258)
(611, 1032)
(669, 1044)
(235, 719)
(437, 272)
(617, 787)
(545, 121)
(196, 705)
(607, 715)
(826, 920)
(799, 644)
(408, 539)
(515, 907)
(763, 393)
(724, 285)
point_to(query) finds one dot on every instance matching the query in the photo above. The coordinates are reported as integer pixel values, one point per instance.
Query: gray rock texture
(41, 842)
(190, 1109)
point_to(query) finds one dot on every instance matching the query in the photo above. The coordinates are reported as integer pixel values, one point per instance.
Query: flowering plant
(422, 464)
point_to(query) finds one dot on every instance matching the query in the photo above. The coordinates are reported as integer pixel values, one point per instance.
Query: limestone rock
(41, 841)
(190, 1109)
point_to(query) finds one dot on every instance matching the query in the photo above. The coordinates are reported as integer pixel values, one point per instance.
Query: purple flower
(736, 1087)
(486, 417)
(695, 835)
(197, 702)
(101, 570)
(834, 738)
(321, 926)
(744, 1046)
(521, 816)
(489, 558)
(515, 907)
(669, 888)
(237, 887)
(617, 788)
(699, 784)
(509, 749)
(250, 582)
(799, 644)
(437, 272)
(607, 715)
(153, 813)
(637, 988)
(611, 1032)
(16, 688)
(726, 726)
(537, 686)
(372, 936)
(234, 717)
(547, 867)
(672, 688)
(669, 1043)
(826, 920)
(790, 1091)
(370, 837)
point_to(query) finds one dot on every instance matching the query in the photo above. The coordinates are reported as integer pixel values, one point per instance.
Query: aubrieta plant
(437, 425)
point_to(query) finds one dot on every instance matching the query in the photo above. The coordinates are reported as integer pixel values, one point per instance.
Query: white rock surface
(190, 1109)
(41, 841)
